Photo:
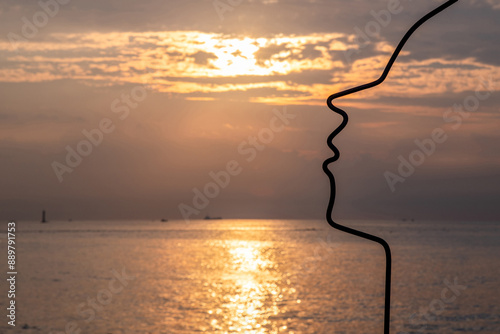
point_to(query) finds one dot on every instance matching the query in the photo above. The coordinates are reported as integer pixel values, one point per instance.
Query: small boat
(207, 217)
(164, 220)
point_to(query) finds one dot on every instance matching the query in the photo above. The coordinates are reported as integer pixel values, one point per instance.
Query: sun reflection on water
(247, 257)
(253, 291)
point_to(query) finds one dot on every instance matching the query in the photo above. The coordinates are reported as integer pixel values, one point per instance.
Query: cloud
(194, 63)
(202, 58)
(495, 4)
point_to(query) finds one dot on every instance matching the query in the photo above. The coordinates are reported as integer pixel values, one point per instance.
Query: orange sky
(185, 90)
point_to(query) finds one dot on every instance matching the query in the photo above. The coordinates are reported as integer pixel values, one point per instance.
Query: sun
(237, 57)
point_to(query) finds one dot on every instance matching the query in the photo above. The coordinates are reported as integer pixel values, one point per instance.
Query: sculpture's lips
(336, 155)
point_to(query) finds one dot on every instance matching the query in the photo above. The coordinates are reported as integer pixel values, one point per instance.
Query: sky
(178, 109)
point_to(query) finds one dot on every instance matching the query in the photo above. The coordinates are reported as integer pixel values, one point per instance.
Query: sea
(251, 276)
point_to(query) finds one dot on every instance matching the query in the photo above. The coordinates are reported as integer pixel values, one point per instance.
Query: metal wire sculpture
(336, 156)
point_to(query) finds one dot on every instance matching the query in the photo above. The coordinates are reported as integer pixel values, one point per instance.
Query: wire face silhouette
(337, 155)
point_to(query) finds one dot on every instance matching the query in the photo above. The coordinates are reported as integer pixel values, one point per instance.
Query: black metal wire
(336, 156)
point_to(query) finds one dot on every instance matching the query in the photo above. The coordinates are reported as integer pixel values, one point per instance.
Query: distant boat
(44, 220)
(164, 220)
(207, 217)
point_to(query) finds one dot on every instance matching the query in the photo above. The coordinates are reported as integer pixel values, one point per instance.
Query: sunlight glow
(255, 294)
(293, 69)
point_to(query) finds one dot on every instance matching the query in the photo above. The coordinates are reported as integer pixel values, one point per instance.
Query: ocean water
(253, 276)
